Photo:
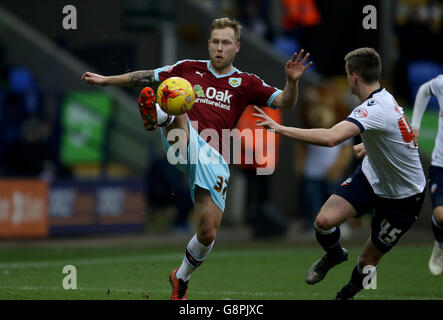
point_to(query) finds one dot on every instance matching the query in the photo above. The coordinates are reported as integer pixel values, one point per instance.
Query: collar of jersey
(374, 92)
(220, 75)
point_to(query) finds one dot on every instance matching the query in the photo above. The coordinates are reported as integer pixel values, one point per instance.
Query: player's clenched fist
(359, 151)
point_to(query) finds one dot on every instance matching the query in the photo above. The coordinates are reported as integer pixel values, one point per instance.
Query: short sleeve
(261, 93)
(368, 116)
(166, 72)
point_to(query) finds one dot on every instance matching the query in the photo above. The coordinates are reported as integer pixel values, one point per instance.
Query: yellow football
(175, 96)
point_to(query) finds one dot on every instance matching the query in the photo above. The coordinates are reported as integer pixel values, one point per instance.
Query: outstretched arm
(421, 100)
(322, 137)
(294, 69)
(141, 78)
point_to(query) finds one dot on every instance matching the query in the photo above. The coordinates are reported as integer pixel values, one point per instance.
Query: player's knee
(438, 215)
(180, 122)
(206, 235)
(324, 222)
(206, 232)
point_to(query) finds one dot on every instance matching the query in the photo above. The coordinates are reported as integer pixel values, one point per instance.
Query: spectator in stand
(299, 22)
(320, 169)
(418, 26)
(254, 15)
(173, 191)
(258, 204)
(31, 155)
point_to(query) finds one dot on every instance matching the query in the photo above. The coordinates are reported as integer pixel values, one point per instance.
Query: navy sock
(354, 286)
(330, 241)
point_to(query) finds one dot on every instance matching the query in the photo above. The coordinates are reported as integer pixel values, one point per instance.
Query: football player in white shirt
(390, 182)
(434, 88)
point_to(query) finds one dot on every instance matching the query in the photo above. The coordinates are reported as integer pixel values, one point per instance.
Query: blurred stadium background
(77, 168)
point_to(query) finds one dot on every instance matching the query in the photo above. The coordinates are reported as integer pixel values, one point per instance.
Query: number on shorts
(221, 185)
(387, 233)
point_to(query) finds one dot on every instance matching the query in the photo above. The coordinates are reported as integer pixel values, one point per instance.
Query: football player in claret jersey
(434, 88)
(222, 93)
(390, 181)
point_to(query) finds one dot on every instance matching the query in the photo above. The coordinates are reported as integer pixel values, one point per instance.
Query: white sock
(435, 222)
(163, 119)
(195, 255)
(325, 232)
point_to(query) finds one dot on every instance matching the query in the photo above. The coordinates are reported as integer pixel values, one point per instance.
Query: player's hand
(93, 79)
(296, 66)
(267, 121)
(359, 151)
(416, 135)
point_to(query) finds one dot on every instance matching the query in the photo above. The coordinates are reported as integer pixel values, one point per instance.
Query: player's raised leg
(436, 260)
(334, 212)
(209, 216)
(153, 116)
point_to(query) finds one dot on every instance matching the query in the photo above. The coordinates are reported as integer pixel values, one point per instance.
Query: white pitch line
(119, 259)
(111, 290)
(164, 257)
(87, 261)
(147, 291)
(225, 294)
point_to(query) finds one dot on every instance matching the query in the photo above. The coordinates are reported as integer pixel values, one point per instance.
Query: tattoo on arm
(141, 78)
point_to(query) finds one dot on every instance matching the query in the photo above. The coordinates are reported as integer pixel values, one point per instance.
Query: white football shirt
(392, 163)
(437, 91)
(433, 87)
(320, 159)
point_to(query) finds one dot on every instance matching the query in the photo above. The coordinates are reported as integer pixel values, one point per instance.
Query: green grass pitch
(243, 272)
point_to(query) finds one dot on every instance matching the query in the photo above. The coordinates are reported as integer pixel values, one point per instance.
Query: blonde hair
(366, 63)
(222, 23)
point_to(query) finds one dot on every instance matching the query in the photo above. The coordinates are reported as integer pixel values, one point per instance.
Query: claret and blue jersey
(220, 99)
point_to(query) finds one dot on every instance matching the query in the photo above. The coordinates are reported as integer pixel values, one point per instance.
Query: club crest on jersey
(434, 188)
(360, 112)
(234, 82)
(347, 182)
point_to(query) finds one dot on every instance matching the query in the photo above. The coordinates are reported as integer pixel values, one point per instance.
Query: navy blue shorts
(435, 179)
(391, 217)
